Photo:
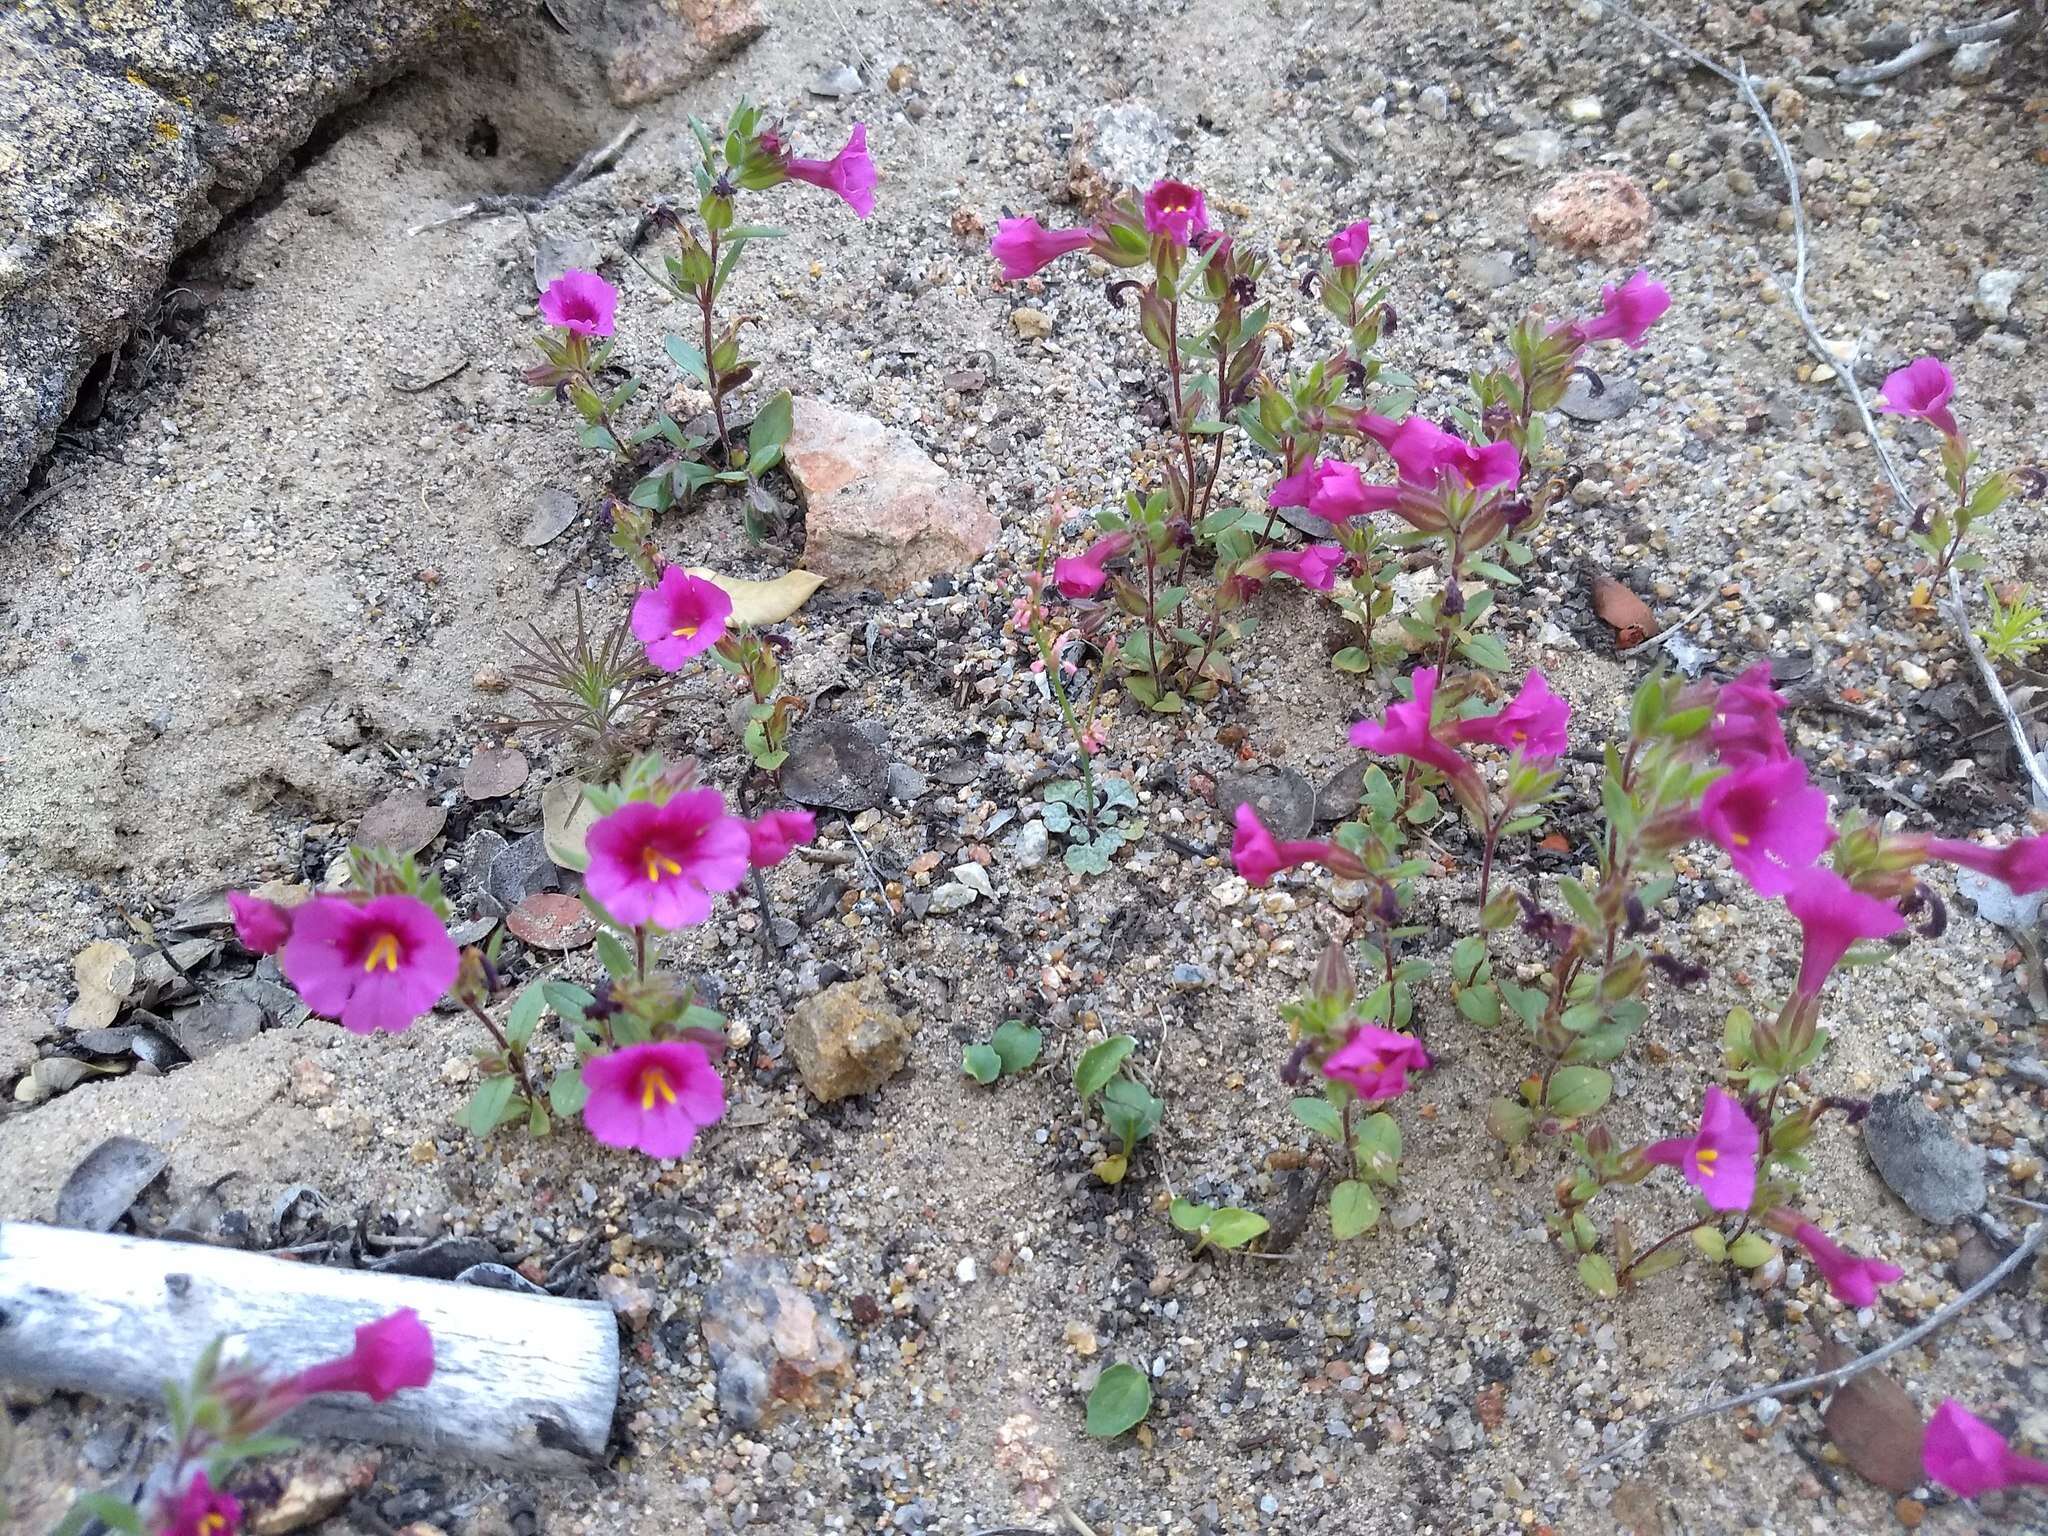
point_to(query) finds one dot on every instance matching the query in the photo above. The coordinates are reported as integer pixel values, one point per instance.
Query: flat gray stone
(1940, 1178)
(1283, 799)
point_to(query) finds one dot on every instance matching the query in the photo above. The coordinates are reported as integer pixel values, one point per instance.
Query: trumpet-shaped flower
(200, 1510)
(681, 617)
(660, 865)
(1745, 727)
(1968, 1457)
(771, 837)
(391, 1354)
(1316, 566)
(581, 303)
(1023, 247)
(1082, 575)
(1852, 1280)
(1626, 312)
(1259, 856)
(1534, 722)
(1769, 820)
(1339, 493)
(1375, 1062)
(1720, 1160)
(261, 927)
(373, 965)
(653, 1097)
(1349, 245)
(1176, 210)
(1922, 391)
(848, 175)
(1833, 915)
(1406, 730)
(2022, 865)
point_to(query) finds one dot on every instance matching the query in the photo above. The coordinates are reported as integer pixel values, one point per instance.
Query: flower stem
(640, 952)
(515, 1058)
(1042, 636)
(706, 297)
(1637, 1261)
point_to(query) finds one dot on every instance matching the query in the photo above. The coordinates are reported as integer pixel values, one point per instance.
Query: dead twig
(868, 864)
(1642, 647)
(2029, 1245)
(420, 386)
(1933, 46)
(1957, 607)
(494, 203)
(21, 513)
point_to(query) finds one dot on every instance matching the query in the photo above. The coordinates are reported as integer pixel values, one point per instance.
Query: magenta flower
(849, 175)
(260, 926)
(1349, 245)
(1719, 1162)
(1852, 1280)
(1833, 915)
(1769, 820)
(377, 964)
(1745, 729)
(2022, 865)
(682, 617)
(1626, 313)
(1535, 722)
(1376, 1062)
(1294, 490)
(391, 1354)
(1339, 493)
(659, 865)
(1176, 210)
(1968, 1457)
(201, 1510)
(582, 303)
(1485, 466)
(1082, 575)
(653, 1097)
(1024, 246)
(1259, 857)
(1421, 449)
(1315, 566)
(770, 838)
(1406, 732)
(1922, 390)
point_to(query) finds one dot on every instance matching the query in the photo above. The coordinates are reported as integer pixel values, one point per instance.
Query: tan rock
(317, 1486)
(659, 46)
(846, 1040)
(1117, 148)
(1594, 211)
(878, 512)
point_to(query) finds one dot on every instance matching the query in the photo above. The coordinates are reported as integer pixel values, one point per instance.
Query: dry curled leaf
(404, 822)
(755, 603)
(566, 817)
(106, 975)
(550, 920)
(494, 772)
(1874, 1422)
(1622, 611)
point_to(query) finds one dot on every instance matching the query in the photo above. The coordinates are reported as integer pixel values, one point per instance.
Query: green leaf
(485, 1110)
(1120, 1401)
(1130, 1111)
(1485, 651)
(1233, 1228)
(1710, 1242)
(567, 999)
(1576, 1092)
(1187, 1216)
(1320, 1116)
(1598, 1275)
(770, 428)
(1091, 858)
(1750, 1250)
(524, 1018)
(616, 959)
(1017, 1044)
(981, 1063)
(566, 1094)
(1354, 1208)
(1377, 1141)
(1424, 810)
(1352, 659)
(1098, 1064)
(687, 358)
(105, 1508)
(1480, 1004)
(1111, 1169)
(1509, 1121)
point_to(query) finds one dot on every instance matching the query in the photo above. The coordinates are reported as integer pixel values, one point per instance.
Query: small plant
(1924, 390)
(597, 693)
(1092, 829)
(1225, 1227)
(226, 1415)
(1128, 1108)
(2018, 629)
(1011, 1050)
(1120, 1400)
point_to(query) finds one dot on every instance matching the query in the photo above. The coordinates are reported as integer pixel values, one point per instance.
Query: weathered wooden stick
(518, 1379)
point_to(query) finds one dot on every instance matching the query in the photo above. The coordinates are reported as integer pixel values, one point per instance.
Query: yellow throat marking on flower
(654, 1081)
(384, 952)
(1706, 1157)
(1739, 839)
(685, 631)
(209, 1524)
(659, 864)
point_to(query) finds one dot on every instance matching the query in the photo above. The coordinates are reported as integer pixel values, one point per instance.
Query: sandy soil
(267, 597)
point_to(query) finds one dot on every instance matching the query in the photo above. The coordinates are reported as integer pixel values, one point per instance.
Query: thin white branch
(1932, 46)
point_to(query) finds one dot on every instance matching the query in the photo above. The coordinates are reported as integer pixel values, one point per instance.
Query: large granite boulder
(128, 128)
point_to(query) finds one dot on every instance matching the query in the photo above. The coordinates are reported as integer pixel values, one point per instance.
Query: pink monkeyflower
(1420, 449)
(682, 617)
(849, 175)
(660, 865)
(1745, 728)
(1626, 313)
(1376, 1062)
(1922, 390)
(1535, 722)
(2022, 865)
(261, 927)
(1216, 245)
(1294, 490)
(376, 964)
(1176, 210)
(653, 1097)
(1406, 732)
(1968, 1457)
(1023, 247)
(201, 1510)
(1769, 820)
(1082, 575)
(1720, 1161)
(1339, 493)
(1484, 466)
(1349, 245)
(1315, 566)
(391, 1354)
(1851, 1279)
(770, 838)
(1258, 856)
(582, 303)
(1833, 915)
(1381, 429)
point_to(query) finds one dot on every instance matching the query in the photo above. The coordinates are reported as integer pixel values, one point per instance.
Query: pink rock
(1594, 211)
(878, 512)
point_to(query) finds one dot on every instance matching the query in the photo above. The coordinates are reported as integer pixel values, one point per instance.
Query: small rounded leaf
(1598, 1275)
(1120, 1401)
(1233, 1228)
(1576, 1092)
(1098, 1064)
(1750, 1250)
(981, 1063)
(1354, 1208)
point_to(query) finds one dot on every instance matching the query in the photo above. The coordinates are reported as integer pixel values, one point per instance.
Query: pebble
(1584, 109)
(1032, 844)
(1031, 324)
(1539, 148)
(1862, 132)
(1996, 290)
(1435, 102)
(1973, 62)
(952, 897)
(965, 1271)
